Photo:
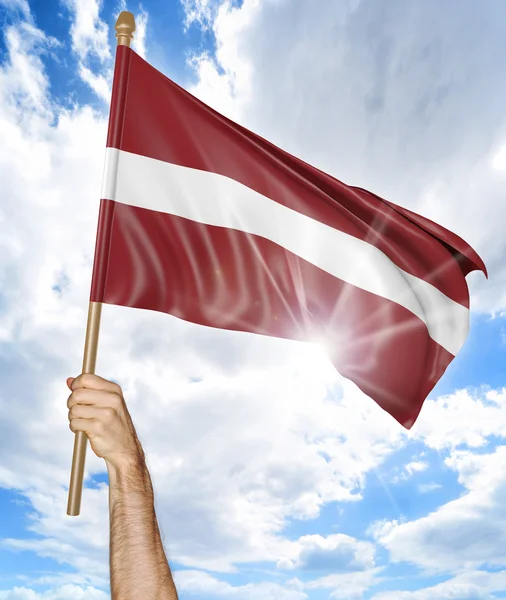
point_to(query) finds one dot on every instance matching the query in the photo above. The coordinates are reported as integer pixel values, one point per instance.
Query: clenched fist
(97, 407)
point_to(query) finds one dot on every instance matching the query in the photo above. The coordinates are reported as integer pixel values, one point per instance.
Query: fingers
(88, 388)
(94, 382)
(89, 426)
(95, 398)
(104, 414)
(98, 409)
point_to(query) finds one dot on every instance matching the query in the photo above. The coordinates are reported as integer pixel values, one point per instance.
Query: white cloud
(224, 81)
(89, 36)
(141, 26)
(200, 12)
(61, 593)
(98, 83)
(88, 32)
(416, 466)
(191, 583)
(334, 553)
(465, 417)
(21, 5)
(425, 488)
(474, 585)
(347, 586)
(23, 83)
(253, 479)
(79, 543)
(466, 533)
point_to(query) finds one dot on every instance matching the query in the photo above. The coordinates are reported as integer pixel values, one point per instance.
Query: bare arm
(138, 565)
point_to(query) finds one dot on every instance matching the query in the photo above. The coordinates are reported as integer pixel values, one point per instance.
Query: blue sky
(274, 477)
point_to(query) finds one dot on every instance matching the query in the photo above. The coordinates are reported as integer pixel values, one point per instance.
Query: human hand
(97, 407)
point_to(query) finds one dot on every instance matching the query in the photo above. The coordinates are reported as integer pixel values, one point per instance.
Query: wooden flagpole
(125, 26)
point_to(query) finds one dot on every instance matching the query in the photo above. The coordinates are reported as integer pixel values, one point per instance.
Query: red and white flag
(202, 219)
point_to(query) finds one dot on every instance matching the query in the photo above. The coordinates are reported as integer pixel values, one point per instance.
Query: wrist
(128, 472)
(125, 462)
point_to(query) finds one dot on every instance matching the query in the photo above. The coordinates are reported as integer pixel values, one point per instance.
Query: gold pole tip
(125, 26)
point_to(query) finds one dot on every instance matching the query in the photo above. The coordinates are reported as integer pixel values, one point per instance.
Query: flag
(202, 219)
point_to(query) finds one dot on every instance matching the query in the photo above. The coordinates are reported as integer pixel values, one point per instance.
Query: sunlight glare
(499, 160)
(313, 357)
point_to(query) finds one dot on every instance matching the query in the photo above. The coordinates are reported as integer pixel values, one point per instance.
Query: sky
(274, 477)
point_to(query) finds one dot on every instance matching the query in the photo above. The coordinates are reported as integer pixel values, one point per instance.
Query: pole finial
(125, 26)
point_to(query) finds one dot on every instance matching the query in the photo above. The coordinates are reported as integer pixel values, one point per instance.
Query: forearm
(139, 567)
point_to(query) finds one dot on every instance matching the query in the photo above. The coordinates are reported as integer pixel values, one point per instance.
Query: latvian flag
(202, 219)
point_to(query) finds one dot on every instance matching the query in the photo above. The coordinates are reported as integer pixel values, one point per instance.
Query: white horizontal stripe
(214, 199)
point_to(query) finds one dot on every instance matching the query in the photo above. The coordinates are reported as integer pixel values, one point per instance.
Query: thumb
(69, 382)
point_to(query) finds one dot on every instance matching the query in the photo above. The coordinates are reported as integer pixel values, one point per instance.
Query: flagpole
(125, 26)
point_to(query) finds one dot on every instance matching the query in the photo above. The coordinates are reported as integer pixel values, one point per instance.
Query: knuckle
(78, 394)
(109, 413)
(117, 400)
(77, 383)
(75, 411)
(117, 389)
(86, 379)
